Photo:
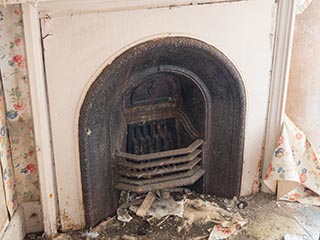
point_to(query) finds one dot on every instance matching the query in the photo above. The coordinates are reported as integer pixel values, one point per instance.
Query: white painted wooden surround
(80, 38)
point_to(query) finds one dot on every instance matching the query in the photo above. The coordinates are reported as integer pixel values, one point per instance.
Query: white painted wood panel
(41, 121)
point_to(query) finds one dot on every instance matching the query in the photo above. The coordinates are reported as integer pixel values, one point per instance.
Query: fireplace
(119, 74)
(166, 113)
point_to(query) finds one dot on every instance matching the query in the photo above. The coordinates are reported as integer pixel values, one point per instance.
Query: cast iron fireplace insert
(166, 113)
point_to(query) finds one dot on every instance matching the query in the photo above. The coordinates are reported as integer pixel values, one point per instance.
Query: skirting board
(27, 219)
(16, 228)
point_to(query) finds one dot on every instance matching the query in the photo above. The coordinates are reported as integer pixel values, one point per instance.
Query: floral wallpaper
(18, 114)
(296, 161)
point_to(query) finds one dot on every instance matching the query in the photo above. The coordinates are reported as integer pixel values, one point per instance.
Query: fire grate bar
(173, 168)
(163, 154)
(161, 162)
(162, 185)
(160, 179)
(157, 171)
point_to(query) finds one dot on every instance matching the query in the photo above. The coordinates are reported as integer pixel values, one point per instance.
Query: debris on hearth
(188, 209)
(176, 214)
(123, 215)
(266, 220)
(146, 204)
(162, 208)
(91, 235)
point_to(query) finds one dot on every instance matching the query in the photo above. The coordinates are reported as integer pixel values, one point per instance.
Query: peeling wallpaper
(18, 114)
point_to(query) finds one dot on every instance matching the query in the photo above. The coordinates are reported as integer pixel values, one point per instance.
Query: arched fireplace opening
(166, 113)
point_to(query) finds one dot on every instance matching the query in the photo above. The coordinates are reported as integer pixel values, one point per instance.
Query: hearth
(166, 113)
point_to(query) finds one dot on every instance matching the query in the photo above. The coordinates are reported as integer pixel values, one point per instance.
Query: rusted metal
(160, 179)
(162, 185)
(160, 111)
(161, 162)
(190, 149)
(160, 170)
(157, 132)
(152, 144)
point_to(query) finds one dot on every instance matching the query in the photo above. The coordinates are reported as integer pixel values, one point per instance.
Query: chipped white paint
(279, 79)
(89, 132)
(40, 118)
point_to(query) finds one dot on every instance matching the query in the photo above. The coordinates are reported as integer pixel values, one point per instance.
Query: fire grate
(160, 170)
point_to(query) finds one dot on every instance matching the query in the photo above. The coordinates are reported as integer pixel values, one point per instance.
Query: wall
(17, 98)
(304, 84)
(18, 159)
